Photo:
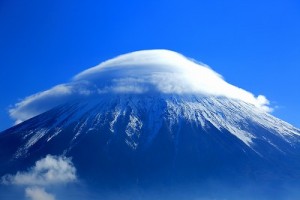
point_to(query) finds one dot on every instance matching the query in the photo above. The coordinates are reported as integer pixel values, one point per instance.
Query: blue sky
(254, 44)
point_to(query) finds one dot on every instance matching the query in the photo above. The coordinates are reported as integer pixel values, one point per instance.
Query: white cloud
(43, 101)
(138, 72)
(47, 171)
(37, 193)
(40, 102)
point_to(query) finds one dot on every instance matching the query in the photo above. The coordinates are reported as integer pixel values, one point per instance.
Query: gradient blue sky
(254, 44)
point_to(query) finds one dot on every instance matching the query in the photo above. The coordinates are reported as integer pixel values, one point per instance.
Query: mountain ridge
(136, 123)
(150, 120)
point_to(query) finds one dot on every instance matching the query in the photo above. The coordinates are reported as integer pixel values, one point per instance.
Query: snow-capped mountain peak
(163, 71)
(149, 118)
(148, 71)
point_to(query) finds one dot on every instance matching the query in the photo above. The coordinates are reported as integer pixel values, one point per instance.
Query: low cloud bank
(49, 171)
(37, 193)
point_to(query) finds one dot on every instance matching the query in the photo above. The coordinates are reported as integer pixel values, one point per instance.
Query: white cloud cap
(47, 171)
(161, 71)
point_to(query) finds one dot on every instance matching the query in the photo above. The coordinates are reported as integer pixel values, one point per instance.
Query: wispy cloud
(138, 72)
(38, 193)
(51, 170)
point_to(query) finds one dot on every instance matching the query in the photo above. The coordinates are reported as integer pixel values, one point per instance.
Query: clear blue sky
(254, 44)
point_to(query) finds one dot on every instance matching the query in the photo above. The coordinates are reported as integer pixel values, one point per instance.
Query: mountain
(142, 119)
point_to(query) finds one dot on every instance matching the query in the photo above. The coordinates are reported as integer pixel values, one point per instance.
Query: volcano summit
(152, 119)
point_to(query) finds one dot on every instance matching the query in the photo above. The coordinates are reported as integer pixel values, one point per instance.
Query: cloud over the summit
(138, 72)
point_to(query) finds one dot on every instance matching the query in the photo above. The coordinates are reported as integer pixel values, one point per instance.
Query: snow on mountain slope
(147, 114)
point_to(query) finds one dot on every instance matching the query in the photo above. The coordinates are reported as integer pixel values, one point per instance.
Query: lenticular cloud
(147, 71)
